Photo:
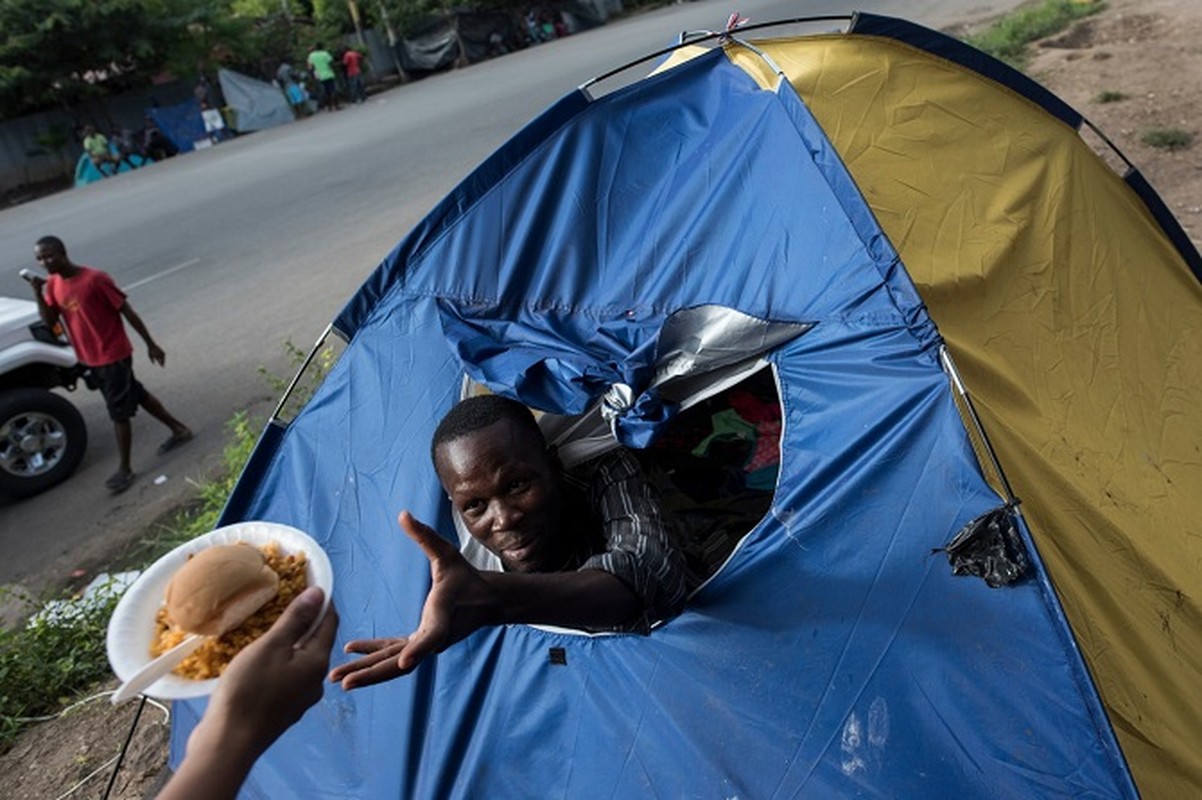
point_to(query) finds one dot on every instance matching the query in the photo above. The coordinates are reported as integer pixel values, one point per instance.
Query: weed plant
(1007, 39)
(49, 661)
(1171, 139)
(53, 659)
(1109, 96)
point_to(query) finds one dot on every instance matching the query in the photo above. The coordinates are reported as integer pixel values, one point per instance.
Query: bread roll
(219, 588)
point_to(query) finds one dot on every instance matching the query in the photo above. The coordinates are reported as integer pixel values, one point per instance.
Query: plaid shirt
(630, 539)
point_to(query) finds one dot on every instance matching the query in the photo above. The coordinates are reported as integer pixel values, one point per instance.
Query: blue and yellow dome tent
(905, 184)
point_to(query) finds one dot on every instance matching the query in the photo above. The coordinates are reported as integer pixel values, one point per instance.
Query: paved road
(229, 252)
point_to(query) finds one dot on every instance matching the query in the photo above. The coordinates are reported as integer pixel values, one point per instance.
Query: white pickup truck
(42, 435)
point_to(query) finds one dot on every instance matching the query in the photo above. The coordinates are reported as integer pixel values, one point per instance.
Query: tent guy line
(170, 270)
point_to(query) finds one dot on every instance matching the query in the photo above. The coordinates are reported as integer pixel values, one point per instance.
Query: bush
(50, 660)
(1007, 39)
(1171, 139)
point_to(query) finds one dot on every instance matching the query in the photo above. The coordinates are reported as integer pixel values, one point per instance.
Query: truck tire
(42, 440)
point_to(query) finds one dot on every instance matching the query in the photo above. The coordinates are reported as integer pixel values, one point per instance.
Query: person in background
(352, 62)
(291, 84)
(96, 145)
(322, 64)
(265, 690)
(127, 146)
(155, 144)
(95, 311)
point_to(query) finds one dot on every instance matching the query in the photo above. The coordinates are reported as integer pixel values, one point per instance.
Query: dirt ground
(1150, 51)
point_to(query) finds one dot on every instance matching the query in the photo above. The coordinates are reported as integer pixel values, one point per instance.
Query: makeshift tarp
(257, 105)
(462, 37)
(86, 172)
(483, 34)
(836, 653)
(431, 46)
(584, 14)
(181, 123)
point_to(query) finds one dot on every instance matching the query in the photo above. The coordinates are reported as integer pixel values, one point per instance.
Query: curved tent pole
(705, 36)
(279, 409)
(949, 366)
(767, 59)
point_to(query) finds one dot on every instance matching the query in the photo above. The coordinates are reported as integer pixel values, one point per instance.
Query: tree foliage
(63, 53)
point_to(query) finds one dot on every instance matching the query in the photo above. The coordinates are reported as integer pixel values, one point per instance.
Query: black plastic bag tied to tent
(990, 548)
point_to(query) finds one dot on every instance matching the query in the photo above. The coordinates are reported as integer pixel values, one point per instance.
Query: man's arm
(463, 599)
(157, 355)
(638, 548)
(265, 689)
(49, 314)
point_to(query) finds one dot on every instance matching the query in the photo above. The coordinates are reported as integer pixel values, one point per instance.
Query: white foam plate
(131, 628)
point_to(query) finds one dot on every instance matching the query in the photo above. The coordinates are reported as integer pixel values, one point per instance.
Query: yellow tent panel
(1077, 325)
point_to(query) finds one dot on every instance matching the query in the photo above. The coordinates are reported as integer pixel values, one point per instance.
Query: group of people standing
(324, 67)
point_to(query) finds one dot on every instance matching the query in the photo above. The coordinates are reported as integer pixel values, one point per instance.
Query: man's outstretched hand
(461, 601)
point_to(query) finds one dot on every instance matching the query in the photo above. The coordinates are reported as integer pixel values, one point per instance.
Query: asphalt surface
(229, 252)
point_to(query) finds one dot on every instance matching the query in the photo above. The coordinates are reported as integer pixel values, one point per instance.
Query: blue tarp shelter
(836, 653)
(181, 123)
(86, 172)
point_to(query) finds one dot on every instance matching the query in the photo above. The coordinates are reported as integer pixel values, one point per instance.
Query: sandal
(118, 482)
(174, 441)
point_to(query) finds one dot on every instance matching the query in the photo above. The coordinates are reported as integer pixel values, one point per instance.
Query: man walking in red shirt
(352, 62)
(94, 311)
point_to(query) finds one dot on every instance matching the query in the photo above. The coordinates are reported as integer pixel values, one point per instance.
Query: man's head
(51, 253)
(493, 463)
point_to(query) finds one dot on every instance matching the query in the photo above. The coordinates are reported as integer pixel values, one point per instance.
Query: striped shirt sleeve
(638, 548)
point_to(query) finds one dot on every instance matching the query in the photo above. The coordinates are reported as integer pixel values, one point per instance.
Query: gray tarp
(257, 105)
(434, 46)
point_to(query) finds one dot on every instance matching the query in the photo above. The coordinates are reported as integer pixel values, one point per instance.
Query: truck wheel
(42, 440)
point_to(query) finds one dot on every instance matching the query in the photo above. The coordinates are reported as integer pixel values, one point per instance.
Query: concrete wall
(18, 137)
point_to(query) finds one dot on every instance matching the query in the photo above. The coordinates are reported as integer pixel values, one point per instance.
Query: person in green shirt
(96, 145)
(322, 64)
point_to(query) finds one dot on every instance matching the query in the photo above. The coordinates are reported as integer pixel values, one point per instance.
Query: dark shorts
(121, 390)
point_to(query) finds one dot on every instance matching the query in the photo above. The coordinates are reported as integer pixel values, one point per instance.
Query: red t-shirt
(350, 60)
(90, 305)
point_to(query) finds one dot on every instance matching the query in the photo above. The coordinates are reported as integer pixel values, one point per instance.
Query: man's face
(502, 482)
(52, 258)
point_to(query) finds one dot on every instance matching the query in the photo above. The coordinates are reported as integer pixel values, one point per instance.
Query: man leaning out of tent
(581, 550)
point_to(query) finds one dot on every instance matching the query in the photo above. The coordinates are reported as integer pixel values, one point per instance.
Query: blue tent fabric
(86, 172)
(835, 654)
(181, 123)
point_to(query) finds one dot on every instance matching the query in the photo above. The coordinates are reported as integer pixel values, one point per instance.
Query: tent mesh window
(714, 467)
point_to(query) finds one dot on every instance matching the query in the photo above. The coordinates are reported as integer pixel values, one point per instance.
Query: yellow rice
(210, 659)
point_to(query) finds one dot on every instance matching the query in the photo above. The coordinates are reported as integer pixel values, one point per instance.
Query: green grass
(1008, 37)
(46, 665)
(1109, 96)
(1171, 139)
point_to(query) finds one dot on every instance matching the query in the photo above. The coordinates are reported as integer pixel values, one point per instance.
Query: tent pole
(706, 36)
(321, 340)
(949, 367)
